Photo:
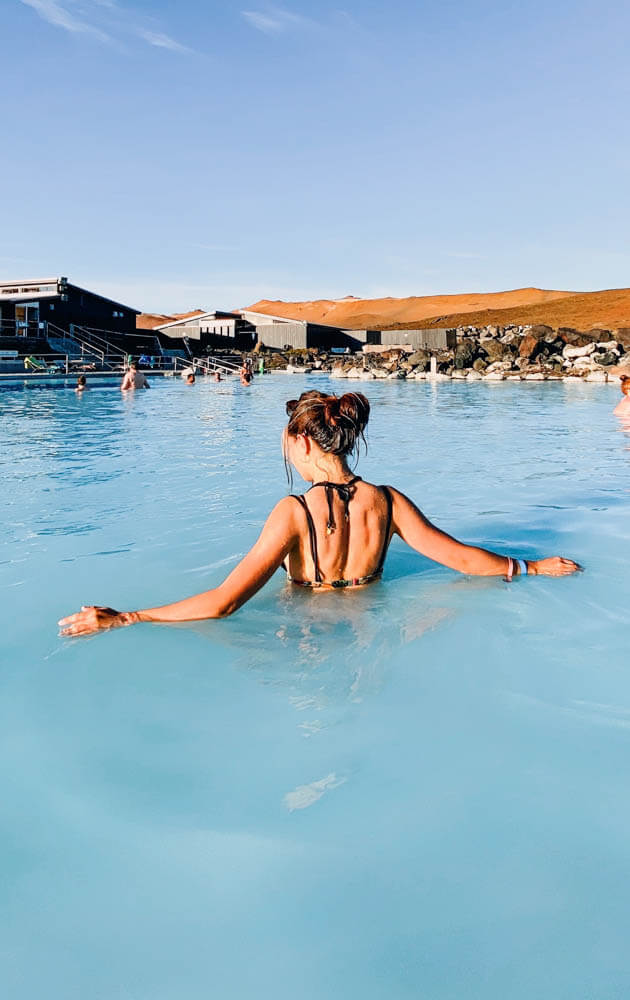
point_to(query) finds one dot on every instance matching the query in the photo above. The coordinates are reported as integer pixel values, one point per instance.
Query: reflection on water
(415, 789)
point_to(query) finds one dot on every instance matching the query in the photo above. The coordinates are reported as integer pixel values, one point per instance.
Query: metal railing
(89, 353)
(29, 329)
(90, 336)
(210, 365)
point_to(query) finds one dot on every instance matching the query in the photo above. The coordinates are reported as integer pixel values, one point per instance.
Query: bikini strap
(344, 492)
(388, 527)
(311, 534)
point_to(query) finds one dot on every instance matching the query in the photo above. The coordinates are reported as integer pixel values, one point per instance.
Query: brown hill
(354, 313)
(607, 309)
(149, 321)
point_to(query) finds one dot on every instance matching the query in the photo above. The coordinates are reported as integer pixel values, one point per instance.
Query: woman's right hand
(554, 566)
(93, 618)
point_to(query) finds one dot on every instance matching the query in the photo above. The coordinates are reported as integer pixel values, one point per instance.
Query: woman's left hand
(94, 619)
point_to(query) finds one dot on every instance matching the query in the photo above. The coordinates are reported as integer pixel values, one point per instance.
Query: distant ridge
(148, 321)
(581, 310)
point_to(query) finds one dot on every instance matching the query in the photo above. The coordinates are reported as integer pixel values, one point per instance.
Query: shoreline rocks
(490, 354)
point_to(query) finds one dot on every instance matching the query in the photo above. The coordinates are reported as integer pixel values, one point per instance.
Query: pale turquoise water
(419, 790)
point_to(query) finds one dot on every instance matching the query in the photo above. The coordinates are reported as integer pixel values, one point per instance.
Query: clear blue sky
(194, 153)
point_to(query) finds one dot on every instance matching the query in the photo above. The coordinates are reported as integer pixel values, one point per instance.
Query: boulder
(419, 358)
(465, 353)
(480, 365)
(498, 366)
(596, 377)
(474, 376)
(538, 330)
(511, 338)
(609, 345)
(529, 346)
(578, 352)
(574, 337)
(609, 358)
(496, 350)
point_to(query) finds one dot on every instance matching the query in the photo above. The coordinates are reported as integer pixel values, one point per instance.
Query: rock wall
(491, 352)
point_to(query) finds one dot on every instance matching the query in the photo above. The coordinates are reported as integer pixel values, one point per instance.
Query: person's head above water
(324, 430)
(134, 366)
(81, 382)
(625, 385)
(190, 379)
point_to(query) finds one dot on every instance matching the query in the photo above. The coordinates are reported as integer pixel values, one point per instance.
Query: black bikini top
(345, 492)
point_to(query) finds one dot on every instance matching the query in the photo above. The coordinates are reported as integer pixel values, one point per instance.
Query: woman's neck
(331, 469)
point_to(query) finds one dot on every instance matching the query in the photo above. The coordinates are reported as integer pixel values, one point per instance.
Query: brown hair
(625, 384)
(335, 423)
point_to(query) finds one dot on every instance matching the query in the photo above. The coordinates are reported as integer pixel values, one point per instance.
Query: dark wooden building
(208, 331)
(299, 334)
(26, 308)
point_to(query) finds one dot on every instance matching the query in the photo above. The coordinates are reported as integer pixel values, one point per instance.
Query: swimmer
(81, 385)
(217, 377)
(246, 378)
(334, 537)
(622, 408)
(134, 379)
(190, 378)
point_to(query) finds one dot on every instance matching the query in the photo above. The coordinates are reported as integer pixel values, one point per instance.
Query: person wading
(334, 537)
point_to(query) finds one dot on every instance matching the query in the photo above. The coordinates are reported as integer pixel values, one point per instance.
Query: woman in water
(334, 537)
(622, 408)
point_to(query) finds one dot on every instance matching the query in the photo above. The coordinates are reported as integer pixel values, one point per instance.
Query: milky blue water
(416, 790)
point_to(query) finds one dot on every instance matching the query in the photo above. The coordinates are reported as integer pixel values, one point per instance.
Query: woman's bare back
(349, 546)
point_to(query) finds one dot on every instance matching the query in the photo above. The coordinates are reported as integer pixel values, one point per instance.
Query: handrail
(91, 351)
(71, 338)
(30, 329)
(212, 364)
(94, 334)
(91, 336)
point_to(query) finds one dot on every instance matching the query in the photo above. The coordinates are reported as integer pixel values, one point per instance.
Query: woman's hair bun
(336, 423)
(355, 406)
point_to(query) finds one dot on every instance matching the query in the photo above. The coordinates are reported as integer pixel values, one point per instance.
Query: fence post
(67, 366)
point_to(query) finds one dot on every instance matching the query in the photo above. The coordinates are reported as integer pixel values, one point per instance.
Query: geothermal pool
(415, 790)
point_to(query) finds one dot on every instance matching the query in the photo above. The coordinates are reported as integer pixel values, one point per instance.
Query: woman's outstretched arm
(423, 536)
(273, 545)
